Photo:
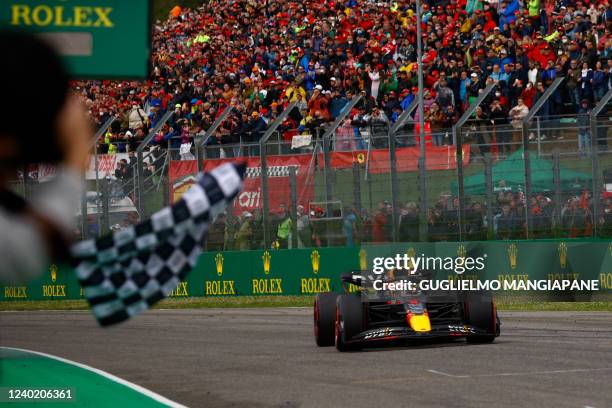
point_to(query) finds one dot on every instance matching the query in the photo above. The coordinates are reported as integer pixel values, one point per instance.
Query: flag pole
(422, 183)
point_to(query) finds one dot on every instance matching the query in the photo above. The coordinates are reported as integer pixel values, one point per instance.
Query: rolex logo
(461, 251)
(562, 254)
(512, 255)
(361, 158)
(53, 270)
(315, 258)
(610, 249)
(219, 263)
(363, 260)
(266, 258)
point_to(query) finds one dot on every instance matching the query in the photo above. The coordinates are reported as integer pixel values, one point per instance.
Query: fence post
(140, 159)
(489, 186)
(344, 112)
(294, 203)
(356, 188)
(527, 169)
(557, 185)
(264, 170)
(327, 171)
(538, 136)
(97, 136)
(84, 223)
(460, 186)
(198, 139)
(208, 134)
(394, 192)
(594, 158)
(105, 205)
(459, 154)
(401, 120)
(526, 159)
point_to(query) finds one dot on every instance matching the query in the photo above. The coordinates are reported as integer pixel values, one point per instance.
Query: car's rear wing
(353, 278)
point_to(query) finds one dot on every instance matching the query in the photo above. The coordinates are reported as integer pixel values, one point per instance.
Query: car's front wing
(406, 333)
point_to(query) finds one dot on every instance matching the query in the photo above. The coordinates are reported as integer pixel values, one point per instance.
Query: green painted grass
(23, 369)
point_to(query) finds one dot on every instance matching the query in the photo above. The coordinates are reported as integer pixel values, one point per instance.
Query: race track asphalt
(267, 358)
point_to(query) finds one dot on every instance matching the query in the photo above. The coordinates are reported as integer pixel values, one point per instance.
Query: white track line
(154, 396)
(577, 370)
(445, 374)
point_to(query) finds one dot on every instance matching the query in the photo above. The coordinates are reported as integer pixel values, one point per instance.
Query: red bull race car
(364, 316)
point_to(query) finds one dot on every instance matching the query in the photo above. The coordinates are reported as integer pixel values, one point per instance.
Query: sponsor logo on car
(378, 333)
(461, 329)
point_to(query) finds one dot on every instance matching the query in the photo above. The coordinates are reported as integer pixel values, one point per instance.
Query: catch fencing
(363, 179)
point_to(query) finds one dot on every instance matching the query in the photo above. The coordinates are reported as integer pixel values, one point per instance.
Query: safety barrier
(311, 270)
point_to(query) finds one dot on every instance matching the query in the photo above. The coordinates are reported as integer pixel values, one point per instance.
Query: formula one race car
(365, 316)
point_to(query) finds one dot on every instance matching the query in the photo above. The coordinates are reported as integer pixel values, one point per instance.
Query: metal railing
(478, 179)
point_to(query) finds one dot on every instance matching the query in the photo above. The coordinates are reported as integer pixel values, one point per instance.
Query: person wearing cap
(476, 84)
(318, 104)
(406, 98)
(244, 235)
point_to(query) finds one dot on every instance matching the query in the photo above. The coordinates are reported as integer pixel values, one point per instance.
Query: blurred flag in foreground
(124, 273)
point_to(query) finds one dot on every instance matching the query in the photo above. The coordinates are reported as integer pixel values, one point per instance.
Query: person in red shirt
(380, 226)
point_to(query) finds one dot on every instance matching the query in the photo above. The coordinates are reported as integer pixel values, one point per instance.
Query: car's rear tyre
(324, 318)
(349, 321)
(481, 313)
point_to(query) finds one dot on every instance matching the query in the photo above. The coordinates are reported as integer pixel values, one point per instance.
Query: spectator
(516, 116)
(283, 231)
(349, 226)
(436, 119)
(304, 228)
(586, 82)
(409, 223)
(244, 235)
(599, 82)
(584, 128)
(380, 225)
(505, 224)
(345, 137)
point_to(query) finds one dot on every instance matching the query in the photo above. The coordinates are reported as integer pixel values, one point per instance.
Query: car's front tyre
(482, 314)
(325, 318)
(349, 321)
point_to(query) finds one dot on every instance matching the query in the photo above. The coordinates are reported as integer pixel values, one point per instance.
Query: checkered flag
(124, 273)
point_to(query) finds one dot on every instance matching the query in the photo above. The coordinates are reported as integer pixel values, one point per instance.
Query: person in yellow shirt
(293, 91)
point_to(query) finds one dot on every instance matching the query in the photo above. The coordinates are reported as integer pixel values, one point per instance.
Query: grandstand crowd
(258, 56)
